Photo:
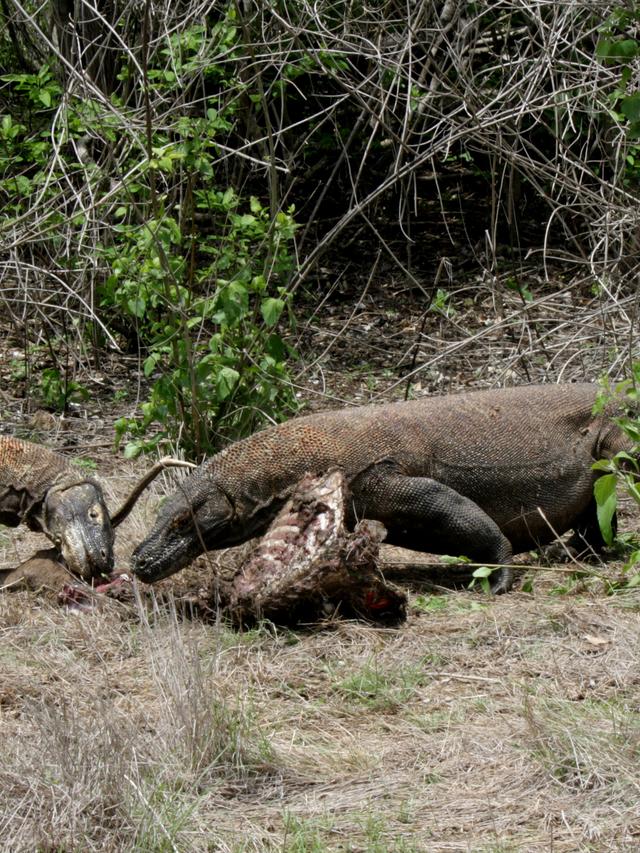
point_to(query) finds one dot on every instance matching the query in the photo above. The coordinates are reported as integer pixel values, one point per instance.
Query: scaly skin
(485, 474)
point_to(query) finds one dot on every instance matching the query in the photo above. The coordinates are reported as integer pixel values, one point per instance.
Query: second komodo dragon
(485, 474)
(45, 491)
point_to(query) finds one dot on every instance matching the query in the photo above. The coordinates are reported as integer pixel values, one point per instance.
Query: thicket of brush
(172, 175)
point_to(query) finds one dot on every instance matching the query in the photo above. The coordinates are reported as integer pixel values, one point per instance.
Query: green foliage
(42, 90)
(616, 47)
(430, 603)
(196, 272)
(441, 303)
(623, 470)
(513, 283)
(212, 339)
(53, 387)
(85, 464)
(604, 490)
(58, 390)
(482, 576)
(381, 689)
(206, 305)
(25, 142)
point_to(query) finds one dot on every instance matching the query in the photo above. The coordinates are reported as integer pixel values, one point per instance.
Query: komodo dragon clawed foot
(423, 514)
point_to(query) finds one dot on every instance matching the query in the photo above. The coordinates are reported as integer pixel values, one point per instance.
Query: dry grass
(481, 725)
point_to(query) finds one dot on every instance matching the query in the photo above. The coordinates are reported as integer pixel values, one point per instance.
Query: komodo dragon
(44, 490)
(482, 474)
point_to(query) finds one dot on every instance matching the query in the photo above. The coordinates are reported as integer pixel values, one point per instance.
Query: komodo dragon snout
(484, 474)
(190, 522)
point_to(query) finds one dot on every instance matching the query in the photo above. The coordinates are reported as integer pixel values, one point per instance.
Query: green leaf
(603, 47)
(602, 465)
(137, 307)
(44, 97)
(271, 309)
(23, 184)
(604, 490)
(226, 381)
(132, 449)
(449, 560)
(623, 456)
(275, 347)
(149, 365)
(482, 572)
(234, 300)
(621, 50)
(630, 107)
(624, 50)
(229, 198)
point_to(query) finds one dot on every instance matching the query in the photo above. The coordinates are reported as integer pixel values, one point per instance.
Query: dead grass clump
(117, 730)
(202, 718)
(587, 745)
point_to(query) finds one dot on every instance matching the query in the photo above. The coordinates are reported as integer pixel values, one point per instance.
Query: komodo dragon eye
(95, 513)
(182, 520)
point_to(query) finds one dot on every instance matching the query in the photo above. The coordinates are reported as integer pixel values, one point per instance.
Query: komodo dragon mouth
(175, 546)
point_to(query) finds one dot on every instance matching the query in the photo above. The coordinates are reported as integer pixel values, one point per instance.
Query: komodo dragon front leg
(425, 515)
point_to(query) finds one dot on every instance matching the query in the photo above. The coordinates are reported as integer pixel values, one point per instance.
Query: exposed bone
(308, 566)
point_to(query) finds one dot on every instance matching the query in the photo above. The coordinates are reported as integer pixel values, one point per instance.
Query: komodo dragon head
(198, 517)
(76, 519)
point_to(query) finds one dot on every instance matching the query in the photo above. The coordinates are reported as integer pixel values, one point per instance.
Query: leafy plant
(623, 469)
(215, 357)
(58, 390)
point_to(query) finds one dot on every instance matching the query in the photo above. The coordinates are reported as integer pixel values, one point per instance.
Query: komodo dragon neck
(27, 473)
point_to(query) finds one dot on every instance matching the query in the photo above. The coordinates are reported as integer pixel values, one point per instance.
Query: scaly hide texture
(482, 474)
(42, 489)
(27, 472)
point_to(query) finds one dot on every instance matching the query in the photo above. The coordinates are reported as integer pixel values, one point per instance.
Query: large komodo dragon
(45, 491)
(482, 474)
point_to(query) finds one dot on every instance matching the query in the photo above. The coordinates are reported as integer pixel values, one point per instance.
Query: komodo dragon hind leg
(424, 515)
